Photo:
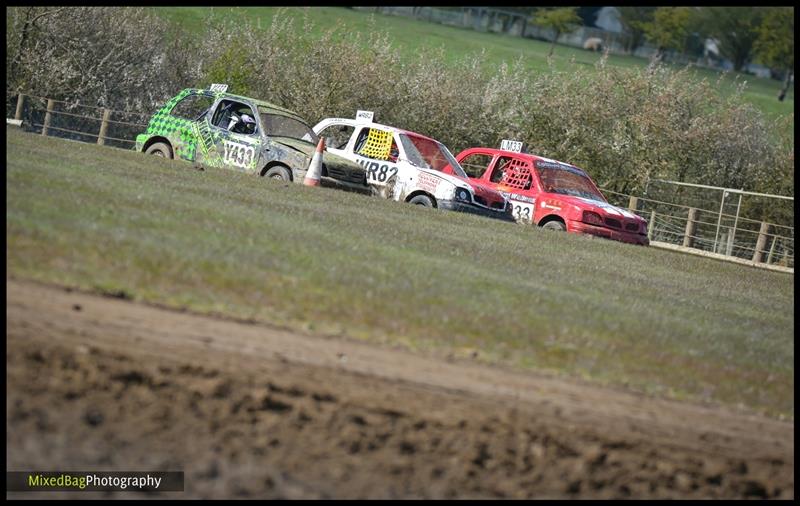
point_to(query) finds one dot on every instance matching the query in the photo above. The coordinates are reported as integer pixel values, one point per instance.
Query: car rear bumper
(452, 205)
(608, 233)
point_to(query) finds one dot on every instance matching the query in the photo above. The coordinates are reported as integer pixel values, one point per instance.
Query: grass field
(411, 36)
(341, 264)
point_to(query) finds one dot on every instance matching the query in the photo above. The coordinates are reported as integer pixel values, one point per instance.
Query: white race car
(409, 167)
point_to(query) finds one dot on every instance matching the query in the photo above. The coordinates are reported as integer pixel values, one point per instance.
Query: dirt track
(252, 411)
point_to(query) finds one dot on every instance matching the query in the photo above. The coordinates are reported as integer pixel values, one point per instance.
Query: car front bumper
(607, 233)
(452, 205)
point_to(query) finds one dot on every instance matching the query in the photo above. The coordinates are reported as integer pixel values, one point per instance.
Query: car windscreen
(428, 153)
(277, 125)
(568, 181)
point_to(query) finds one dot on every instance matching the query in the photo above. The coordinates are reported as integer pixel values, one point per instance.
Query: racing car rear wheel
(279, 173)
(386, 191)
(554, 225)
(421, 200)
(159, 149)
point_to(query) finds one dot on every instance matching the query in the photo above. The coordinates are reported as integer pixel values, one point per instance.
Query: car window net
(517, 175)
(378, 145)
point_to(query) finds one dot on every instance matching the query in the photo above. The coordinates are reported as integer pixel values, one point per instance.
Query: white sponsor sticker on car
(427, 182)
(509, 145)
(240, 155)
(365, 116)
(522, 211)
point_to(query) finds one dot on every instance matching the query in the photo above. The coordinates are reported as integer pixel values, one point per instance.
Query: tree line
(745, 34)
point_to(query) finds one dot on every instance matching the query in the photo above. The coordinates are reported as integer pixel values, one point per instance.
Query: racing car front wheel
(159, 149)
(554, 225)
(421, 200)
(279, 173)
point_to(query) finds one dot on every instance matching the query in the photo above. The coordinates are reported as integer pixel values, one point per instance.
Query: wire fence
(725, 221)
(746, 225)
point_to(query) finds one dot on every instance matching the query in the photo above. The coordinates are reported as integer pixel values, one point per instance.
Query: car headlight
(462, 194)
(592, 218)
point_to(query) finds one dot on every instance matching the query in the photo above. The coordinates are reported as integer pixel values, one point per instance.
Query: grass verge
(340, 264)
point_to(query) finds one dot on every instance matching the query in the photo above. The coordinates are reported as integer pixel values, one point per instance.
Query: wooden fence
(757, 242)
(30, 108)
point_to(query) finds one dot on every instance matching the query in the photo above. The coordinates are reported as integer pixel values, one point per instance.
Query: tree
(735, 27)
(775, 43)
(588, 14)
(558, 19)
(113, 57)
(21, 32)
(668, 29)
(634, 19)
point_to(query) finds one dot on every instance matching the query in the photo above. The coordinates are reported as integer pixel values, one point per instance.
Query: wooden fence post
(651, 226)
(101, 137)
(758, 254)
(47, 116)
(633, 203)
(20, 102)
(688, 239)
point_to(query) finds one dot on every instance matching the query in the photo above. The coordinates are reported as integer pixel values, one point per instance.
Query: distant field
(341, 264)
(410, 36)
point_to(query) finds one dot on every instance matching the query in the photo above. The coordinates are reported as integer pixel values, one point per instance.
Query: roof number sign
(219, 88)
(508, 145)
(365, 116)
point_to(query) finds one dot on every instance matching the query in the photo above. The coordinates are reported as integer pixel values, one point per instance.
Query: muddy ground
(251, 411)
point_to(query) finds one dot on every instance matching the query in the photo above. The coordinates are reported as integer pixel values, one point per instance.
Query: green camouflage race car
(218, 129)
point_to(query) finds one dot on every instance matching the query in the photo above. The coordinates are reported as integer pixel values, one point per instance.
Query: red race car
(552, 194)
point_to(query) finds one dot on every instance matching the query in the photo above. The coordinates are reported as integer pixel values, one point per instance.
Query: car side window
(192, 107)
(336, 136)
(376, 144)
(235, 116)
(475, 164)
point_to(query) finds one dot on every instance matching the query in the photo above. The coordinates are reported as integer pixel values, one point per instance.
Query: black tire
(554, 225)
(421, 200)
(279, 173)
(160, 149)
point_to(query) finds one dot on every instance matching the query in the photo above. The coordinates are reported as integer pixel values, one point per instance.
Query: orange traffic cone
(315, 167)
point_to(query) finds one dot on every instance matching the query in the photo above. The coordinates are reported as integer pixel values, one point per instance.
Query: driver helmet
(247, 124)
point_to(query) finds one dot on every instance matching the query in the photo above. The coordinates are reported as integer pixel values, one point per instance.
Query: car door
(228, 141)
(513, 177)
(377, 151)
(510, 175)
